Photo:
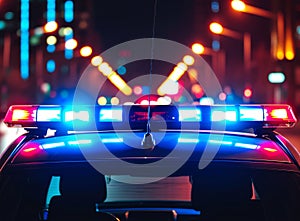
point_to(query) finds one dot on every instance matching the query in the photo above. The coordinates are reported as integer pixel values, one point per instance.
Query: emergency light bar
(115, 117)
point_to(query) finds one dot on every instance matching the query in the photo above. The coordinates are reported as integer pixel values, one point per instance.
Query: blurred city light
(86, 51)
(122, 70)
(9, 15)
(50, 65)
(71, 44)
(102, 100)
(51, 40)
(276, 77)
(51, 13)
(68, 31)
(105, 68)
(206, 101)
(24, 46)
(114, 101)
(50, 48)
(45, 88)
(34, 40)
(193, 74)
(168, 86)
(69, 11)
(116, 80)
(216, 28)
(238, 5)
(188, 60)
(281, 37)
(215, 45)
(2, 24)
(222, 96)
(247, 93)
(38, 31)
(96, 61)
(198, 48)
(50, 26)
(279, 46)
(197, 90)
(137, 90)
(215, 6)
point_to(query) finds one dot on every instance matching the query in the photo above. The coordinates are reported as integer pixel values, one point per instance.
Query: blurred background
(253, 47)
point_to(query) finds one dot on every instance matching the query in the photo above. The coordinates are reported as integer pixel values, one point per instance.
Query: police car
(150, 162)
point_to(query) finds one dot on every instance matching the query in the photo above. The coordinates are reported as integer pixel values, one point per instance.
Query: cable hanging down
(148, 141)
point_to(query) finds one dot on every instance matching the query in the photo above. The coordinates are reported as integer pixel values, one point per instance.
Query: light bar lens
(237, 116)
(71, 116)
(189, 114)
(224, 114)
(24, 114)
(50, 114)
(111, 115)
(251, 113)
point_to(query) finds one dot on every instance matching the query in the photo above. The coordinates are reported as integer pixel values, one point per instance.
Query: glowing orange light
(238, 5)
(50, 26)
(247, 93)
(20, 115)
(96, 61)
(102, 100)
(105, 68)
(116, 80)
(86, 51)
(175, 75)
(279, 113)
(197, 90)
(198, 48)
(216, 28)
(270, 149)
(71, 44)
(29, 149)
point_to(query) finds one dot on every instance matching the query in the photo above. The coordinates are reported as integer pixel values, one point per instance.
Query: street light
(198, 48)
(239, 5)
(282, 44)
(218, 58)
(217, 28)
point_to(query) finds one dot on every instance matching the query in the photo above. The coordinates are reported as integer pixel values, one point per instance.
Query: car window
(27, 193)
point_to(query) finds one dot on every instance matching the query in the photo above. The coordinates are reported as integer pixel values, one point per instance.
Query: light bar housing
(109, 117)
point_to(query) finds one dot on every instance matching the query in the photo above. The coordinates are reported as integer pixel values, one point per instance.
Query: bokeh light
(198, 48)
(137, 90)
(86, 51)
(50, 26)
(45, 87)
(51, 40)
(114, 101)
(188, 60)
(102, 100)
(71, 44)
(96, 61)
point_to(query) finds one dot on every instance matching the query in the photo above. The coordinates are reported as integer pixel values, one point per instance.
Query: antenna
(148, 141)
